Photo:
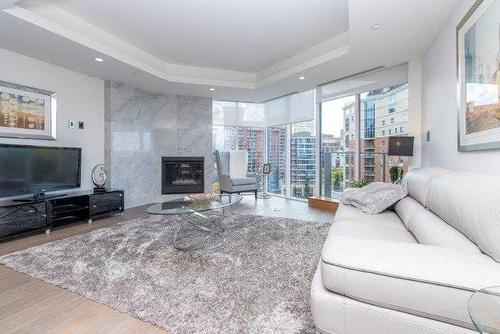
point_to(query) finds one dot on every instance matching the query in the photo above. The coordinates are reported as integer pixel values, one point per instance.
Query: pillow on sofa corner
(374, 197)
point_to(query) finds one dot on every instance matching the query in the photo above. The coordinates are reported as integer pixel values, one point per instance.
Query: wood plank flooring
(28, 305)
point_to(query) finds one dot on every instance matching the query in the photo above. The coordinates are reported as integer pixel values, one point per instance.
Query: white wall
(79, 98)
(439, 106)
(415, 110)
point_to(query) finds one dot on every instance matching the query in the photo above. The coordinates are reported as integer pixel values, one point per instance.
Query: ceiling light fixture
(98, 59)
(211, 89)
(376, 26)
(302, 77)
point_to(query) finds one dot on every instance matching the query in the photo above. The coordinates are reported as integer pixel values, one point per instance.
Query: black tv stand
(25, 215)
(37, 197)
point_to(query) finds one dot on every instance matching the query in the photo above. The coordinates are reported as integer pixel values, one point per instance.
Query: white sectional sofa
(411, 269)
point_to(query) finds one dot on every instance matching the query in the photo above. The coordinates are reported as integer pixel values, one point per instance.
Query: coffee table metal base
(211, 226)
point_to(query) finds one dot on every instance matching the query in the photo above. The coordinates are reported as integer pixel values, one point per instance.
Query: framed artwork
(478, 71)
(266, 169)
(27, 112)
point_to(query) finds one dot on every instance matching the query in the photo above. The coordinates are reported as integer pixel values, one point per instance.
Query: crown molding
(58, 21)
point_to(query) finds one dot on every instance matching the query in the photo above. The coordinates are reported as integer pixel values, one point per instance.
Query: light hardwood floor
(28, 305)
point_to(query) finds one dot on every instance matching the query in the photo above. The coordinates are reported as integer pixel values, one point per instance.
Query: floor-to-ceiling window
(374, 107)
(240, 126)
(384, 113)
(349, 145)
(338, 125)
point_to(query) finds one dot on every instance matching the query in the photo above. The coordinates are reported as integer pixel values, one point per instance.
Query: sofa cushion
(405, 209)
(429, 229)
(418, 181)
(387, 218)
(239, 181)
(470, 203)
(427, 281)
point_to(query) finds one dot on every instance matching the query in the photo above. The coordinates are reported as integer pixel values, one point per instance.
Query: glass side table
(484, 310)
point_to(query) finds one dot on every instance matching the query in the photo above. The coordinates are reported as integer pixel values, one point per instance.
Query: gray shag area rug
(258, 281)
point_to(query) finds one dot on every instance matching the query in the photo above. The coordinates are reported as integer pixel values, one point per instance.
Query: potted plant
(359, 184)
(393, 172)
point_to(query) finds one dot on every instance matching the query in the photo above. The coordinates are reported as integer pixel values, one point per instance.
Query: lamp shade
(401, 146)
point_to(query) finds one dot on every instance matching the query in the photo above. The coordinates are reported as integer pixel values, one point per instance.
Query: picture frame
(27, 112)
(266, 169)
(478, 77)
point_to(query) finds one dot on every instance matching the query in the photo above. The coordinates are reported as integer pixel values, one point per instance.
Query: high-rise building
(302, 159)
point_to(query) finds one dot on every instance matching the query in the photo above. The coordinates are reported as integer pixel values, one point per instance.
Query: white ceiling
(227, 34)
(250, 50)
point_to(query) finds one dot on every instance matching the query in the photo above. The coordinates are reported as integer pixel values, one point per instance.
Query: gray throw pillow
(374, 197)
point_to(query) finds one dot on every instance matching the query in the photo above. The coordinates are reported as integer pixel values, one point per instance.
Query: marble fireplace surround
(142, 127)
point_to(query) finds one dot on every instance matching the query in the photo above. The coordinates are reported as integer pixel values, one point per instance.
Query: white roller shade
(277, 112)
(224, 113)
(363, 83)
(251, 114)
(290, 109)
(238, 114)
(302, 107)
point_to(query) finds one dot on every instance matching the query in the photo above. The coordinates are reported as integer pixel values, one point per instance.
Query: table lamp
(400, 146)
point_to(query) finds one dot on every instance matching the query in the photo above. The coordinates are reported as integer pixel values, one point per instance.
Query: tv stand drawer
(22, 218)
(109, 202)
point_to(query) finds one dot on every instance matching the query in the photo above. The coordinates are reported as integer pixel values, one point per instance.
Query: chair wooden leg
(255, 193)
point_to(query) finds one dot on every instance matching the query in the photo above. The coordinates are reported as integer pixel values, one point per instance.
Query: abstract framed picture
(27, 112)
(478, 77)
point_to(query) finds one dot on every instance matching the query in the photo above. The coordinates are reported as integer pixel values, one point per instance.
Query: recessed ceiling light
(376, 26)
(211, 89)
(98, 59)
(302, 77)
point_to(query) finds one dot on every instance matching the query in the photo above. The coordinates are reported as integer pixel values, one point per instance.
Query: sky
(333, 115)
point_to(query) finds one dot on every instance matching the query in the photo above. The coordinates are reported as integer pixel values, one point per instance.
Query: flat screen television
(38, 169)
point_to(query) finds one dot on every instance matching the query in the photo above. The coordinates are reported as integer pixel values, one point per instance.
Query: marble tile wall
(141, 127)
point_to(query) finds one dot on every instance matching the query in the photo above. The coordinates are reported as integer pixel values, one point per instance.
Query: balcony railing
(338, 170)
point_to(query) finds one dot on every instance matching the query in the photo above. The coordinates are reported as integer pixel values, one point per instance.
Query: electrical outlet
(71, 124)
(81, 125)
(428, 136)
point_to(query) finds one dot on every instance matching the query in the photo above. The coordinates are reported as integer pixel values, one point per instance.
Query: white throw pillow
(374, 197)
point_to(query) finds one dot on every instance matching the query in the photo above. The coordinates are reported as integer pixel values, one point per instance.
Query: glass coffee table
(484, 310)
(201, 222)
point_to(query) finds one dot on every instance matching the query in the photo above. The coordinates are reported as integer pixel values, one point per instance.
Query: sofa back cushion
(418, 181)
(470, 203)
(406, 208)
(431, 230)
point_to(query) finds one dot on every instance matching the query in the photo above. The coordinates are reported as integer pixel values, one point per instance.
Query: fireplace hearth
(182, 175)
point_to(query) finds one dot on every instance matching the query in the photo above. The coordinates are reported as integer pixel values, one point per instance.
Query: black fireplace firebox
(182, 175)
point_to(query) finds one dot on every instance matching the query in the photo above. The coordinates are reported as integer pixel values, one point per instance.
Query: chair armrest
(225, 182)
(416, 262)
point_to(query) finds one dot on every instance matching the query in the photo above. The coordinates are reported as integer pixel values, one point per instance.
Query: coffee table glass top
(179, 206)
(484, 310)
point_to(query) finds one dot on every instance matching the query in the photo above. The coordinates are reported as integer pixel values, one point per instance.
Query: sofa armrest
(416, 262)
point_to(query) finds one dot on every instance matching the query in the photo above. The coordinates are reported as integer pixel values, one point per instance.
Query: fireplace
(182, 175)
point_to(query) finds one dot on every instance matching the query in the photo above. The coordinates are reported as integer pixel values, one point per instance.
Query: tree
(307, 188)
(337, 178)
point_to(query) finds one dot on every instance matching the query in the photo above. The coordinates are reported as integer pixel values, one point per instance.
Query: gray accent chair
(232, 182)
